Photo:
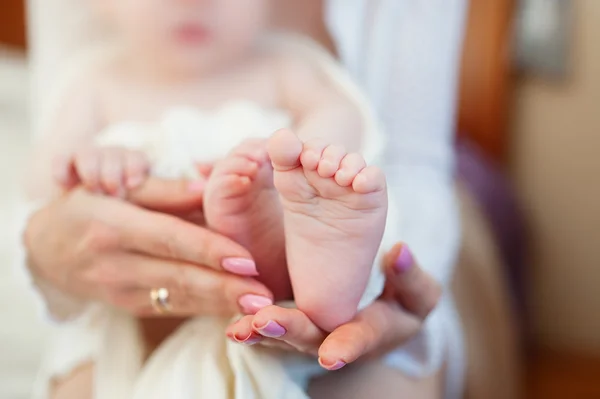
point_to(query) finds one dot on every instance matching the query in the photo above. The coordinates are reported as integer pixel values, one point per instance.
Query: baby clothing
(198, 360)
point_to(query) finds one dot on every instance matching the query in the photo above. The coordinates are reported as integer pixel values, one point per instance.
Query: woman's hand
(97, 248)
(410, 295)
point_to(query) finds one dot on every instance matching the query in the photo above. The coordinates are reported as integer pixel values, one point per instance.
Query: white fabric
(405, 54)
(198, 360)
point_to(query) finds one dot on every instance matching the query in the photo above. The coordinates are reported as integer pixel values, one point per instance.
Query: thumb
(169, 196)
(413, 288)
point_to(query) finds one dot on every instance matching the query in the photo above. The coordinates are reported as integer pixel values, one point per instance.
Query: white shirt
(406, 56)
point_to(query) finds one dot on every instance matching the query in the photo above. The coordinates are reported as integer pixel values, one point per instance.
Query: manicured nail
(405, 260)
(197, 186)
(241, 266)
(332, 367)
(251, 304)
(271, 330)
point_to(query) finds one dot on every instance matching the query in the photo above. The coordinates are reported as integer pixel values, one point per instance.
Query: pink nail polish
(332, 367)
(197, 186)
(251, 304)
(272, 330)
(243, 267)
(405, 260)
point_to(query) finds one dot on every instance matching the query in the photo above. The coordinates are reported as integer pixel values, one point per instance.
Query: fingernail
(332, 367)
(134, 181)
(241, 266)
(272, 330)
(405, 260)
(249, 340)
(251, 304)
(197, 186)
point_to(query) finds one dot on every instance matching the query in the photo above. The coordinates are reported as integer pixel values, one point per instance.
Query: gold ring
(159, 297)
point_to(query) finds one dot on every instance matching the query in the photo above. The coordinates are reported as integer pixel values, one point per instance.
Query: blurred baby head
(188, 33)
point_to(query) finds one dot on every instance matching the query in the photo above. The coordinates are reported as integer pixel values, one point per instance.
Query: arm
(76, 121)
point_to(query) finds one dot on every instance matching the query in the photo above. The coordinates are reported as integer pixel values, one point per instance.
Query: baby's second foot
(241, 203)
(335, 209)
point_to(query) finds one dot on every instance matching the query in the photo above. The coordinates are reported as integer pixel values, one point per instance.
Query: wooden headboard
(485, 84)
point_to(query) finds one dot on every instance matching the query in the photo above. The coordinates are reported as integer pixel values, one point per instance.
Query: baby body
(302, 201)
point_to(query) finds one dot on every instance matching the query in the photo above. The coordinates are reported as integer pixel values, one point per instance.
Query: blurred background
(528, 134)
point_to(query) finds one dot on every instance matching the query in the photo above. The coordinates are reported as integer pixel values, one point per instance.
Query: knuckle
(180, 283)
(99, 238)
(105, 273)
(167, 245)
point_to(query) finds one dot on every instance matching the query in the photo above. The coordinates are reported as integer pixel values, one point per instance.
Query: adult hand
(410, 295)
(97, 248)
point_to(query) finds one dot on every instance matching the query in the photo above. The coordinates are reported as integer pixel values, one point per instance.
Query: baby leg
(241, 202)
(334, 209)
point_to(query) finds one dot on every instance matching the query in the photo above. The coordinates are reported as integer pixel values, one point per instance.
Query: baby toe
(312, 153)
(330, 161)
(351, 165)
(284, 149)
(369, 180)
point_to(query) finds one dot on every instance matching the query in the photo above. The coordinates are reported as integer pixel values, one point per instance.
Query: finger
(289, 325)
(408, 284)
(165, 236)
(377, 329)
(205, 169)
(241, 332)
(87, 165)
(112, 171)
(170, 196)
(192, 290)
(137, 168)
(63, 171)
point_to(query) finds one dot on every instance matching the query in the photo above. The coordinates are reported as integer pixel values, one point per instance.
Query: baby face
(191, 34)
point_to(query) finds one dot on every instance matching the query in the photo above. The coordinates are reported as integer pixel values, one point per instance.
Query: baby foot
(334, 213)
(241, 203)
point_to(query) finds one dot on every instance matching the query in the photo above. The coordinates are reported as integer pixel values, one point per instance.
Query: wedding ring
(159, 297)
